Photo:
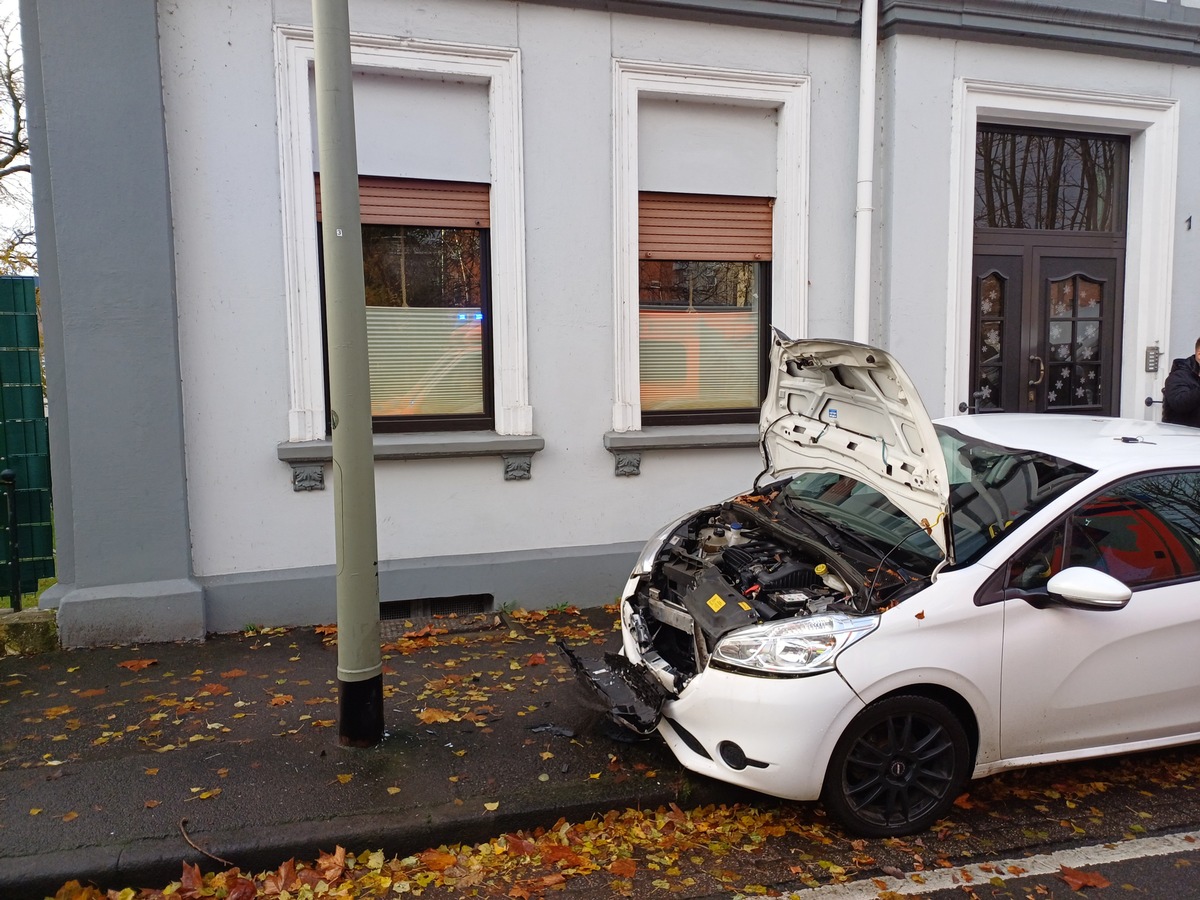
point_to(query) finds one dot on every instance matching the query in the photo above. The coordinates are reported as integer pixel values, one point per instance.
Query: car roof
(1094, 441)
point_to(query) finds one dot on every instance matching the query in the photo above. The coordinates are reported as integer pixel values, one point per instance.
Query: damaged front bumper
(624, 690)
(763, 733)
(631, 686)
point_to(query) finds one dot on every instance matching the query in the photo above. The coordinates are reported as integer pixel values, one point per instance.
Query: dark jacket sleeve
(1181, 393)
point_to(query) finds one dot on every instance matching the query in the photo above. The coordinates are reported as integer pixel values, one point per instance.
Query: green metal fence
(27, 552)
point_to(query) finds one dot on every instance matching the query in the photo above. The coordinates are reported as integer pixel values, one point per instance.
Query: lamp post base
(360, 722)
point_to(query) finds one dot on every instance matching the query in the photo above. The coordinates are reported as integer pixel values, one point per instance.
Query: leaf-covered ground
(767, 848)
(705, 852)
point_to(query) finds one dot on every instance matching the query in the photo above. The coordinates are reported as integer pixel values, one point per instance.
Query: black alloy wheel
(897, 768)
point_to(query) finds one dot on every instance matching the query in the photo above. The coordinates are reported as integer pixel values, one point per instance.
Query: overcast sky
(12, 213)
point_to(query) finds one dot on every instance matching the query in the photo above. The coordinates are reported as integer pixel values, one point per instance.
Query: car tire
(897, 768)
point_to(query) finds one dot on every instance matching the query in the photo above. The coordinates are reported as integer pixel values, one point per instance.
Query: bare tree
(17, 249)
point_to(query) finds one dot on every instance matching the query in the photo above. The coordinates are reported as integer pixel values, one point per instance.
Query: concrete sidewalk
(114, 762)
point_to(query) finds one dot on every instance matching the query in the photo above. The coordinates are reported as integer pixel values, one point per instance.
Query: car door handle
(1041, 371)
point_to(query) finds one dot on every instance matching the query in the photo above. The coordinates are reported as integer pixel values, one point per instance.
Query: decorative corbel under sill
(308, 458)
(627, 446)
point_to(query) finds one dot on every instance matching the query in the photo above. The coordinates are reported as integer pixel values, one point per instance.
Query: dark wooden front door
(1046, 333)
(1049, 267)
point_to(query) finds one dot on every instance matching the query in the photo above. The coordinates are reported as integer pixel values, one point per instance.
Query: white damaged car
(899, 605)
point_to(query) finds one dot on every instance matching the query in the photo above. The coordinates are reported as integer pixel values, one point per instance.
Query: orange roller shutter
(406, 201)
(704, 227)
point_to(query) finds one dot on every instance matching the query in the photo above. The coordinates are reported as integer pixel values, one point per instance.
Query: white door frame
(1152, 124)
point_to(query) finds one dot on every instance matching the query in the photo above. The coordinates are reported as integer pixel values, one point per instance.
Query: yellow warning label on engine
(744, 605)
(715, 603)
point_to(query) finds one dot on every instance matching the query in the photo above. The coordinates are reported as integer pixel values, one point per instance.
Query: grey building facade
(173, 170)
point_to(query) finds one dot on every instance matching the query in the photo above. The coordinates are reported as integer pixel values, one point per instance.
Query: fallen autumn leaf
(136, 665)
(1077, 879)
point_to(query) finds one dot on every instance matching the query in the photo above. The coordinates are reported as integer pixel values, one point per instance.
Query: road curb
(158, 861)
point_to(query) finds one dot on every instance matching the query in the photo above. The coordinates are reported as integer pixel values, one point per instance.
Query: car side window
(1142, 531)
(1033, 567)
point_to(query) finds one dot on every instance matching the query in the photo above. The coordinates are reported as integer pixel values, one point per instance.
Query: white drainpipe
(863, 222)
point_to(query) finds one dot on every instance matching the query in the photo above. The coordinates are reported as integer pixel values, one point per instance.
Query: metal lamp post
(360, 663)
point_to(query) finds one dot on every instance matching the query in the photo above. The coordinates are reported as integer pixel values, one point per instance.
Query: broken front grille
(676, 635)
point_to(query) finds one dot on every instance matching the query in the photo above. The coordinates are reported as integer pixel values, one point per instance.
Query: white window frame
(497, 67)
(1152, 124)
(789, 95)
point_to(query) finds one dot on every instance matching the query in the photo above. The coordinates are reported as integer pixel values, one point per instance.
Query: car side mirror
(1086, 588)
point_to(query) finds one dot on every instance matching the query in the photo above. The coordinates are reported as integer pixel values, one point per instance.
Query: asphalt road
(1156, 867)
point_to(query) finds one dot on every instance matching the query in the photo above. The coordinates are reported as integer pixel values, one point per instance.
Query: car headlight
(793, 646)
(645, 560)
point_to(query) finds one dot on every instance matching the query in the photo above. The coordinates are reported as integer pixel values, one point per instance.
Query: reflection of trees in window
(690, 284)
(1054, 180)
(1175, 497)
(1141, 532)
(701, 338)
(408, 265)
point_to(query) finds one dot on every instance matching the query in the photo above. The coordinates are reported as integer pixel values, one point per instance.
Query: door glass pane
(1073, 335)
(1062, 298)
(699, 329)
(991, 296)
(1087, 340)
(1059, 386)
(1060, 340)
(990, 346)
(988, 390)
(1089, 298)
(425, 311)
(989, 341)
(1049, 180)
(1087, 385)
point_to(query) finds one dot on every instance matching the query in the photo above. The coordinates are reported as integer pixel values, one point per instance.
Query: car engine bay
(746, 562)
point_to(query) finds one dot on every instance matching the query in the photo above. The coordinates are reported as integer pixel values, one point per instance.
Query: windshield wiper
(830, 530)
(822, 527)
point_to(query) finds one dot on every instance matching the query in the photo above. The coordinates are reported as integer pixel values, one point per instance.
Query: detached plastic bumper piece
(631, 696)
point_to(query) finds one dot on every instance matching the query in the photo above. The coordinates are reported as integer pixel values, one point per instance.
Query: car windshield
(992, 488)
(848, 510)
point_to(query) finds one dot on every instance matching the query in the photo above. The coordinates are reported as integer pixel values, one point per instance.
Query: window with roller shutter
(426, 275)
(704, 276)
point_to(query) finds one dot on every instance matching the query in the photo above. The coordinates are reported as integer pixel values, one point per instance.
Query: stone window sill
(627, 446)
(308, 458)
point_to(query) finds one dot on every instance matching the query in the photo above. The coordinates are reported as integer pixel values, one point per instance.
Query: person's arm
(1182, 391)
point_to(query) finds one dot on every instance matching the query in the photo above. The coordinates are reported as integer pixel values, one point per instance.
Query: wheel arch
(949, 698)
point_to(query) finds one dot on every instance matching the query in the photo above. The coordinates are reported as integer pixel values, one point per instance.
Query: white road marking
(1045, 864)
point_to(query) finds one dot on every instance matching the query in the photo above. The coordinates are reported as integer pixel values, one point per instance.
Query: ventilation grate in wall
(428, 607)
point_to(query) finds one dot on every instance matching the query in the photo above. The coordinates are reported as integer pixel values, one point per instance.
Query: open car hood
(843, 407)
